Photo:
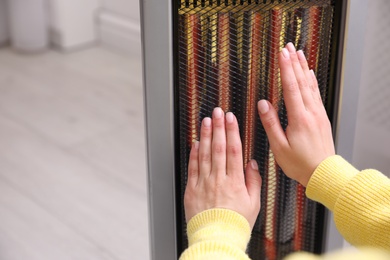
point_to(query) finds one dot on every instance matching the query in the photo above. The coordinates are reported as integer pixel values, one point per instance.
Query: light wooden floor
(72, 157)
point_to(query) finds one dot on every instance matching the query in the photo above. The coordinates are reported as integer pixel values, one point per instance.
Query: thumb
(253, 181)
(271, 123)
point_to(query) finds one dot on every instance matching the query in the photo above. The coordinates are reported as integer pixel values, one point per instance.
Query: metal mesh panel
(227, 57)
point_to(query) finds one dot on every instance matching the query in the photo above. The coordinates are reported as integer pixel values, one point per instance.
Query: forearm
(217, 234)
(360, 201)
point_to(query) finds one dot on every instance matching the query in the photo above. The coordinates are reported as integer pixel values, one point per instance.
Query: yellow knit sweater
(360, 202)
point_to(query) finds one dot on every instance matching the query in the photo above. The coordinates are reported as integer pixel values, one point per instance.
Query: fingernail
(312, 72)
(290, 47)
(254, 165)
(301, 55)
(229, 117)
(263, 106)
(207, 121)
(285, 53)
(218, 113)
(196, 145)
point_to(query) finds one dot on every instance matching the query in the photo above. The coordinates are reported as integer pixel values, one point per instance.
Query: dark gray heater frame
(159, 56)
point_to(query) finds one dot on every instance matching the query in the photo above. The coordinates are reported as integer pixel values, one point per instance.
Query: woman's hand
(215, 172)
(308, 138)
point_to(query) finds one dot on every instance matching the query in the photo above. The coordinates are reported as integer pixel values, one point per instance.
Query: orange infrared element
(299, 218)
(274, 98)
(314, 36)
(312, 53)
(224, 61)
(193, 32)
(252, 87)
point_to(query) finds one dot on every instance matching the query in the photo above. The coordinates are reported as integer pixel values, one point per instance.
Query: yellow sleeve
(359, 200)
(217, 234)
(362, 254)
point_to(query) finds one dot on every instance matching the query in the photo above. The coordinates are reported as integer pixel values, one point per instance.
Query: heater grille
(227, 56)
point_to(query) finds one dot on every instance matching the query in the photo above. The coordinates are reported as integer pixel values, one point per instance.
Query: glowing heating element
(223, 61)
(253, 85)
(192, 25)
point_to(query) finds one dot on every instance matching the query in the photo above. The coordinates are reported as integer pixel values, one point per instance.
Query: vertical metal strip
(192, 25)
(181, 127)
(314, 20)
(317, 29)
(224, 61)
(314, 36)
(274, 98)
(159, 61)
(286, 186)
(323, 57)
(300, 191)
(253, 85)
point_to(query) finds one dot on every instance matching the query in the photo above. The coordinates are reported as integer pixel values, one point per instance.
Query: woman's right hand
(308, 139)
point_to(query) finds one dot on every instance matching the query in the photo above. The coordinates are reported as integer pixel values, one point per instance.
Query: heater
(199, 54)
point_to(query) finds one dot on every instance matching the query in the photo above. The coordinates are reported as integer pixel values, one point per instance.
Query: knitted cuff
(329, 180)
(219, 225)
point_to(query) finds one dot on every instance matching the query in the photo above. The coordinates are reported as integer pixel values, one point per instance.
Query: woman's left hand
(216, 174)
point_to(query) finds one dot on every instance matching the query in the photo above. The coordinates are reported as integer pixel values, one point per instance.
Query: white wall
(125, 8)
(372, 140)
(73, 23)
(119, 25)
(3, 23)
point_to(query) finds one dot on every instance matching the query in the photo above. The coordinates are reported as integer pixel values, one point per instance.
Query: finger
(253, 182)
(193, 166)
(234, 148)
(306, 70)
(291, 93)
(271, 123)
(218, 146)
(317, 92)
(300, 76)
(312, 81)
(205, 148)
